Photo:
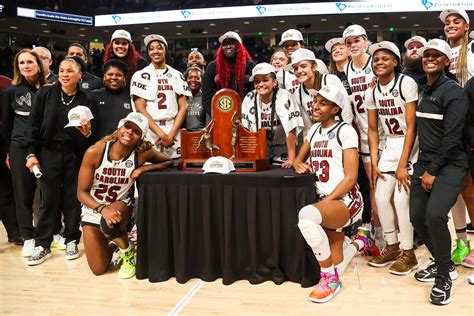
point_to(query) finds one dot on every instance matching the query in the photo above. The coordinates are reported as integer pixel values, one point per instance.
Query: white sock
(127, 249)
(348, 252)
(359, 243)
(328, 269)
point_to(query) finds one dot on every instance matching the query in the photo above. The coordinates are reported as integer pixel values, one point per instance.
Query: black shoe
(16, 240)
(442, 290)
(470, 228)
(429, 274)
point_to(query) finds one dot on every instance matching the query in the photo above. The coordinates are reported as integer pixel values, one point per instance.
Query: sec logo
(225, 104)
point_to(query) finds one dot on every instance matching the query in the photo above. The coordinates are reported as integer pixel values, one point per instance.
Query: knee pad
(311, 213)
(316, 238)
(111, 233)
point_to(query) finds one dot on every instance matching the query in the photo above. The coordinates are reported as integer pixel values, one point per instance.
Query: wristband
(30, 156)
(98, 209)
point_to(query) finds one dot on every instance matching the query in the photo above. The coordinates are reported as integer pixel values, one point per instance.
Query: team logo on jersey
(24, 99)
(85, 85)
(127, 106)
(128, 163)
(225, 104)
(331, 135)
(395, 93)
(368, 70)
(169, 75)
(146, 76)
(252, 110)
(287, 105)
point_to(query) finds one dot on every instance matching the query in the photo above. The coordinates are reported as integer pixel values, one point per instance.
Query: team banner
(220, 13)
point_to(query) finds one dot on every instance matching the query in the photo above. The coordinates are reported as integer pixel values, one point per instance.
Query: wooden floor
(61, 287)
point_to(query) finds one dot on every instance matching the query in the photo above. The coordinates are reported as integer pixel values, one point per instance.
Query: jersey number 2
(321, 169)
(111, 192)
(161, 101)
(358, 103)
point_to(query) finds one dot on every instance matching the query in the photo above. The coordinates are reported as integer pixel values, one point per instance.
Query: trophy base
(241, 165)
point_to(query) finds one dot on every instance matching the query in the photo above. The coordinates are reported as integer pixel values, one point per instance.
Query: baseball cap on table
(155, 37)
(291, 35)
(139, 119)
(438, 45)
(333, 41)
(218, 164)
(445, 13)
(261, 69)
(330, 92)
(121, 34)
(413, 39)
(230, 34)
(384, 45)
(353, 30)
(77, 114)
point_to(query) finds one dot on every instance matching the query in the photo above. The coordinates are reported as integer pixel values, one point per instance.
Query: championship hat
(413, 39)
(138, 119)
(299, 55)
(78, 114)
(333, 41)
(291, 35)
(261, 69)
(155, 37)
(121, 34)
(437, 44)
(353, 30)
(330, 92)
(445, 13)
(230, 34)
(384, 45)
(218, 164)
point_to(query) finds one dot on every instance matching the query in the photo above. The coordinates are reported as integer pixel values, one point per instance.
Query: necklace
(64, 102)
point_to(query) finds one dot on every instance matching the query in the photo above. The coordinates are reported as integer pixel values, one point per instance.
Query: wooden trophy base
(241, 165)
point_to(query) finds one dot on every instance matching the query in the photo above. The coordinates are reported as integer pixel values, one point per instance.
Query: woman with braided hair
(231, 69)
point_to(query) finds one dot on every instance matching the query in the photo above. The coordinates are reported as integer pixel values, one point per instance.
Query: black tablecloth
(240, 226)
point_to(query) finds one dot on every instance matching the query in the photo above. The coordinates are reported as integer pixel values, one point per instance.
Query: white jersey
(305, 100)
(390, 101)
(162, 105)
(112, 180)
(470, 60)
(359, 80)
(327, 147)
(455, 51)
(286, 115)
(287, 80)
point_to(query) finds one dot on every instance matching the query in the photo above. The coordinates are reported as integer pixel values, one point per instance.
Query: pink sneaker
(370, 248)
(329, 285)
(468, 262)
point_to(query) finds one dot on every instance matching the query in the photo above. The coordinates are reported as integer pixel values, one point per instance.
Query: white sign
(281, 10)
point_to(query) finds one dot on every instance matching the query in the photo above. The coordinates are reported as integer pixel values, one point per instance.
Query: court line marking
(186, 298)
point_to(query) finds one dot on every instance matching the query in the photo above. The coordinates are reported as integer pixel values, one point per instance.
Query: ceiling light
(106, 31)
(13, 27)
(212, 24)
(179, 26)
(403, 17)
(143, 35)
(204, 32)
(46, 31)
(274, 29)
(82, 29)
(44, 24)
(323, 20)
(179, 33)
(366, 18)
(246, 22)
(282, 21)
(341, 26)
(375, 25)
(82, 35)
(416, 24)
(146, 28)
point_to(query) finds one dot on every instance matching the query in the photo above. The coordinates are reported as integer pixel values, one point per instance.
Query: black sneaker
(39, 255)
(470, 228)
(429, 274)
(441, 291)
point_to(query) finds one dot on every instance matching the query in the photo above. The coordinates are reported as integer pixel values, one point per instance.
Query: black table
(240, 226)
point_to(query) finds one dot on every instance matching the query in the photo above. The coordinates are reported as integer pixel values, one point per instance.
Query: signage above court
(322, 8)
(54, 16)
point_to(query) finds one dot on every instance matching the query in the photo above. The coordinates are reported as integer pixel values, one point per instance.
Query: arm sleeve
(453, 125)
(209, 86)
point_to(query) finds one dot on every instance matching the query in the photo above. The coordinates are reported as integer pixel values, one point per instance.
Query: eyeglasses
(229, 44)
(44, 58)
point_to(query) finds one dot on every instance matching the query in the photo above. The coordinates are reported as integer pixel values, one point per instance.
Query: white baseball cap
(291, 35)
(330, 92)
(138, 119)
(471, 35)
(299, 55)
(353, 30)
(78, 114)
(230, 34)
(261, 69)
(437, 44)
(155, 37)
(218, 164)
(385, 45)
(445, 13)
(121, 34)
(333, 41)
(413, 39)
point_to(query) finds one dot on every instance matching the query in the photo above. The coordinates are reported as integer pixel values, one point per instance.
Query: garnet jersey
(359, 80)
(327, 147)
(112, 180)
(390, 100)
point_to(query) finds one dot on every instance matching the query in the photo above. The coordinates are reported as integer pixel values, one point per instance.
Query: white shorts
(89, 218)
(364, 150)
(392, 152)
(174, 151)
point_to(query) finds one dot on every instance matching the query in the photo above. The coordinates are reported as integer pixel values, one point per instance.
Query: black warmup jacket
(440, 119)
(469, 128)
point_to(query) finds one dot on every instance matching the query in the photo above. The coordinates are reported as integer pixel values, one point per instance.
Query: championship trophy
(224, 136)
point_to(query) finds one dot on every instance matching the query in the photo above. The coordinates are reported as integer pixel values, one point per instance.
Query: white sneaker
(59, 242)
(28, 247)
(72, 252)
(39, 255)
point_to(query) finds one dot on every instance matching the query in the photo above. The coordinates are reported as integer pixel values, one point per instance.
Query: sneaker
(59, 242)
(370, 248)
(468, 262)
(39, 255)
(28, 247)
(441, 291)
(462, 251)
(470, 279)
(329, 285)
(405, 264)
(470, 228)
(388, 255)
(127, 269)
(429, 274)
(72, 251)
